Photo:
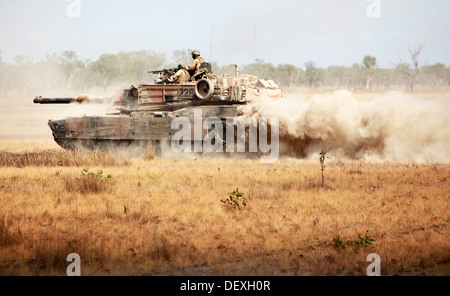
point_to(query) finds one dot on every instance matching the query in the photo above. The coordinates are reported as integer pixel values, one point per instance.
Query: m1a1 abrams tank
(144, 114)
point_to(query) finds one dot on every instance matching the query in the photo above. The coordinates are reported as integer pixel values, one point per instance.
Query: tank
(143, 115)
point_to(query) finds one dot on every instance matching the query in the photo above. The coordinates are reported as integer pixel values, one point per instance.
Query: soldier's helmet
(195, 53)
(182, 66)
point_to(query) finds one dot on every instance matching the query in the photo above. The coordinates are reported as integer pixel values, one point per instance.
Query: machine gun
(163, 75)
(165, 71)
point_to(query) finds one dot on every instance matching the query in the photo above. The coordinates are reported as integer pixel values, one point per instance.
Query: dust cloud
(394, 126)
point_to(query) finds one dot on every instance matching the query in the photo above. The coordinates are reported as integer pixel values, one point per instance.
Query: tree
(182, 56)
(135, 64)
(108, 67)
(447, 76)
(412, 70)
(260, 69)
(289, 75)
(71, 66)
(23, 60)
(369, 64)
(338, 76)
(435, 74)
(229, 69)
(313, 74)
(20, 76)
(127, 66)
(384, 77)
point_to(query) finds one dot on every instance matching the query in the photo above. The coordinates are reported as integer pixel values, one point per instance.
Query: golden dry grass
(165, 216)
(58, 158)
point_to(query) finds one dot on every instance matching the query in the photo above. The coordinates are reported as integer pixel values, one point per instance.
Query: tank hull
(139, 129)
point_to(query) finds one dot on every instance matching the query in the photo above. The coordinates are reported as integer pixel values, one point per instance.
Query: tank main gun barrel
(41, 100)
(80, 99)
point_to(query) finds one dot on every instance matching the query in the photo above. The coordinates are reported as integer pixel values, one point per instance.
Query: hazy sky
(329, 32)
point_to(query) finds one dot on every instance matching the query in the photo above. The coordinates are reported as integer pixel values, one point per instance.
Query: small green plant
(362, 242)
(89, 182)
(339, 244)
(99, 175)
(235, 201)
(322, 158)
(316, 243)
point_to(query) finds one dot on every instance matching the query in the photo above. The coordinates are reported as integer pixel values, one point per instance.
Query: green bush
(338, 243)
(235, 201)
(89, 182)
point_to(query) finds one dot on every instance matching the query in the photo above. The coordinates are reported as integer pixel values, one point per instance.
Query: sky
(327, 32)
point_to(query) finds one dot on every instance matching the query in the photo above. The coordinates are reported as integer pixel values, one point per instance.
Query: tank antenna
(211, 44)
(254, 43)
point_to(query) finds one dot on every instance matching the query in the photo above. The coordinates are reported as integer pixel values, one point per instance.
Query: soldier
(182, 75)
(195, 66)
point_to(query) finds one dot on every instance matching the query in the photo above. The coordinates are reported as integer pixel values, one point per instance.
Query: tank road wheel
(204, 89)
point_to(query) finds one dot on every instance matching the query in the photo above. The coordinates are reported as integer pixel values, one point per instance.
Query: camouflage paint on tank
(145, 113)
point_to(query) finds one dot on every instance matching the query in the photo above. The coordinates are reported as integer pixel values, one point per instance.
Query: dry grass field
(166, 216)
(169, 216)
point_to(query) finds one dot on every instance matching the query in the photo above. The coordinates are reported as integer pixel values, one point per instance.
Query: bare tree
(411, 71)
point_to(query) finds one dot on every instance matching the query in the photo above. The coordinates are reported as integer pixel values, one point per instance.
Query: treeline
(65, 71)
